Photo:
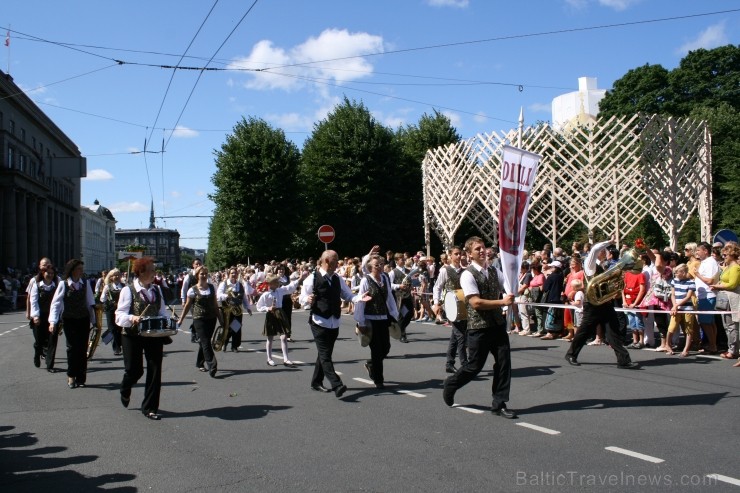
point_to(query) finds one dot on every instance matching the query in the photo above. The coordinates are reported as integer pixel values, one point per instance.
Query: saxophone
(610, 283)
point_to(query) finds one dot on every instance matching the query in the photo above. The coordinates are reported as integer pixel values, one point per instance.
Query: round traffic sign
(326, 233)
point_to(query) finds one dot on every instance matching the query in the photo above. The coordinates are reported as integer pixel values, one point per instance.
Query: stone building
(97, 238)
(40, 171)
(162, 244)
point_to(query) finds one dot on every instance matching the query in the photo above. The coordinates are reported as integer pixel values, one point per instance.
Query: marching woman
(234, 296)
(202, 299)
(109, 298)
(283, 272)
(133, 301)
(73, 305)
(374, 304)
(41, 294)
(271, 303)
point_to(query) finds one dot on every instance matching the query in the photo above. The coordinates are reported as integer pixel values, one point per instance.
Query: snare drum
(455, 306)
(157, 327)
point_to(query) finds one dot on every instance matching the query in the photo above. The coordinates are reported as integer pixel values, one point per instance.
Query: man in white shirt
(704, 276)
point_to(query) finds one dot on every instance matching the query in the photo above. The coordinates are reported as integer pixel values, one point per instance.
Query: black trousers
(77, 333)
(40, 336)
(110, 318)
(324, 367)
(234, 337)
(380, 346)
(135, 349)
(51, 350)
(406, 319)
(204, 327)
(594, 315)
(481, 342)
(458, 343)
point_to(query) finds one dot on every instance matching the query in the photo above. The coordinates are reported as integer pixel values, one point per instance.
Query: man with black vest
(448, 281)
(323, 291)
(481, 286)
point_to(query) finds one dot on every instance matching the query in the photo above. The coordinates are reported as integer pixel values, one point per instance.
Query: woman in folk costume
(73, 304)
(135, 301)
(271, 303)
(112, 286)
(202, 299)
(233, 294)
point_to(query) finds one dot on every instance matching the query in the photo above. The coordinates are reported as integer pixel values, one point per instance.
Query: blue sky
(478, 61)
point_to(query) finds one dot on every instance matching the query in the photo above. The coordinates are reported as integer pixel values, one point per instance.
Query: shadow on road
(228, 413)
(598, 404)
(23, 468)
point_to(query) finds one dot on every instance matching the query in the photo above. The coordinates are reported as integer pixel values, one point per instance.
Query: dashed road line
(468, 409)
(724, 479)
(412, 394)
(364, 380)
(11, 330)
(539, 428)
(636, 455)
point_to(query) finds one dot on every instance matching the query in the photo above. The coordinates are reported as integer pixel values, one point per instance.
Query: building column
(22, 228)
(34, 226)
(9, 249)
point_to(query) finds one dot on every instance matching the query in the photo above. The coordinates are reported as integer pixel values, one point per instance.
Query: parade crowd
(683, 303)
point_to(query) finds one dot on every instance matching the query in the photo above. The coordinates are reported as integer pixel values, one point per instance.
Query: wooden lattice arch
(607, 176)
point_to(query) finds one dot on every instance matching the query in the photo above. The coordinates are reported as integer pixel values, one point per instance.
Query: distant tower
(151, 217)
(577, 108)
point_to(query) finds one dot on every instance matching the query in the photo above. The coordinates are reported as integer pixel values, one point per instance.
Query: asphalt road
(671, 425)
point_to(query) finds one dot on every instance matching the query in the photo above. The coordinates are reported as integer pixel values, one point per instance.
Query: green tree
(350, 171)
(430, 132)
(643, 89)
(256, 194)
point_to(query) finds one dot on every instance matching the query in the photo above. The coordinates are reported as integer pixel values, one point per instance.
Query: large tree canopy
(350, 171)
(704, 86)
(257, 201)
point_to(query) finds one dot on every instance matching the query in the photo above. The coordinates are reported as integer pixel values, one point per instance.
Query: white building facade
(98, 229)
(577, 107)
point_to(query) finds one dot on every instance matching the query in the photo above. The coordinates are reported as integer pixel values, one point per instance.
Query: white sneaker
(271, 362)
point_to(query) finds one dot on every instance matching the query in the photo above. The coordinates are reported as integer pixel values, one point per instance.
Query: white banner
(518, 171)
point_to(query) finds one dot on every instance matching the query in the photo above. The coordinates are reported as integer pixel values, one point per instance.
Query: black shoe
(212, 371)
(37, 360)
(369, 369)
(451, 369)
(504, 412)
(153, 416)
(379, 385)
(125, 400)
(51, 370)
(448, 395)
(629, 366)
(403, 339)
(339, 391)
(319, 388)
(572, 361)
(72, 385)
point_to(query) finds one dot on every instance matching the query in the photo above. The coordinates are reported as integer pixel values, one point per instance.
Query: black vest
(139, 304)
(45, 297)
(75, 302)
(114, 292)
(326, 297)
(488, 289)
(203, 304)
(453, 278)
(377, 305)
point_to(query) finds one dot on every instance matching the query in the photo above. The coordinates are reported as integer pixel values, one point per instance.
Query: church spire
(151, 217)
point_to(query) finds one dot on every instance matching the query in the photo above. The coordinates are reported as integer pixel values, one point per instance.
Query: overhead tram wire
(201, 72)
(513, 36)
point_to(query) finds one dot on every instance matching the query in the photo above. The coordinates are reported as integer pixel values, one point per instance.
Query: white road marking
(636, 455)
(539, 428)
(412, 394)
(725, 479)
(11, 330)
(364, 380)
(338, 372)
(468, 409)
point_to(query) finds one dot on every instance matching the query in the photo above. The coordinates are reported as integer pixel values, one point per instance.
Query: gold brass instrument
(232, 307)
(96, 332)
(610, 283)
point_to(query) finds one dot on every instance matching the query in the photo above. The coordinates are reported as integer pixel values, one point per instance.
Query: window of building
(11, 157)
(12, 127)
(22, 162)
(23, 135)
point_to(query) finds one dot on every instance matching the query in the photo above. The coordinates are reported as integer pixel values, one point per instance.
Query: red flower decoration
(639, 243)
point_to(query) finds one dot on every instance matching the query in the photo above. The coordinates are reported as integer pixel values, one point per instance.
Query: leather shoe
(125, 400)
(339, 391)
(451, 369)
(403, 339)
(37, 360)
(572, 361)
(379, 385)
(448, 395)
(319, 388)
(504, 412)
(369, 369)
(629, 366)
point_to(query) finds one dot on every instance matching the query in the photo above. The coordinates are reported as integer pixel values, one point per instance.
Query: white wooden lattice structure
(607, 176)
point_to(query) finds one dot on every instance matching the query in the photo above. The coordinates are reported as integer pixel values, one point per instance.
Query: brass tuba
(96, 332)
(610, 283)
(232, 307)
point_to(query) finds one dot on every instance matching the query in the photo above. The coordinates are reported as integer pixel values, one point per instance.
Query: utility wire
(37, 88)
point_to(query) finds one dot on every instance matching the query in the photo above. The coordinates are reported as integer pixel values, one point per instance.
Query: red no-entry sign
(326, 234)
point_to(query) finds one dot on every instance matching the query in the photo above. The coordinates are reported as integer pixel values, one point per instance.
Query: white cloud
(618, 4)
(330, 45)
(175, 194)
(184, 132)
(295, 121)
(98, 175)
(129, 207)
(133, 149)
(711, 37)
(39, 89)
(449, 3)
(540, 107)
(455, 118)
(480, 117)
